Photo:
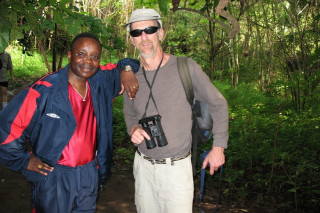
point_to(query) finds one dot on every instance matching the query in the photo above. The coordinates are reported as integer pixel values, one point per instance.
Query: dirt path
(117, 196)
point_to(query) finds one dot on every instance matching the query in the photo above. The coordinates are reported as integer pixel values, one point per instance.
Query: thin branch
(220, 10)
(222, 24)
(232, 32)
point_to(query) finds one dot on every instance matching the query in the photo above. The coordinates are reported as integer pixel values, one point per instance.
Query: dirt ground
(117, 196)
(15, 193)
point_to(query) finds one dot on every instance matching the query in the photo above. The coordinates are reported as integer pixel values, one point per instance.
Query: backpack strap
(185, 77)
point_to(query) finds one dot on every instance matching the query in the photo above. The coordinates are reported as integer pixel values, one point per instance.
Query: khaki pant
(163, 188)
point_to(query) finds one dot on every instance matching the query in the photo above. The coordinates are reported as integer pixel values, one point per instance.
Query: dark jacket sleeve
(15, 122)
(114, 72)
(135, 64)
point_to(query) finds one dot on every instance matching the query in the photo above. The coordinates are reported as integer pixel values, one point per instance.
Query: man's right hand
(130, 83)
(37, 165)
(138, 135)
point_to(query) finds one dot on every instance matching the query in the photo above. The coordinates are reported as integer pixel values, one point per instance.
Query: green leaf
(43, 3)
(163, 6)
(52, 2)
(292, 190)
(316, 191)
(48, 24)
(63, 2)
(216, 2)
(57, 16)
(25, 28)
(204, 8)
(16, 33)
(5, 28)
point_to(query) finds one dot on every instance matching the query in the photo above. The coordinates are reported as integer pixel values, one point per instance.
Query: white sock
(4, 104)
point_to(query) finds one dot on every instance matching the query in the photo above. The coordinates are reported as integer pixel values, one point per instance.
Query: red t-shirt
(82, 145)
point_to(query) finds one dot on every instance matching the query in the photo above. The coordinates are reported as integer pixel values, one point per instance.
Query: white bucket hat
(143, 15)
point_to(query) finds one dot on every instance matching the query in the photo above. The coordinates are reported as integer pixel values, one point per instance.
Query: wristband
(126, 68)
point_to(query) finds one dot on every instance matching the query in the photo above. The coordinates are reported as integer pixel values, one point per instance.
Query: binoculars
(152, 125)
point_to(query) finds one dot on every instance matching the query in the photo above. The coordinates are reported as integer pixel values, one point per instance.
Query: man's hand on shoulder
(128, 67)
(129, 83)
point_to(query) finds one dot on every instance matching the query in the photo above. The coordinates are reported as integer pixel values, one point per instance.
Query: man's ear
(161, 34)
(69, 55)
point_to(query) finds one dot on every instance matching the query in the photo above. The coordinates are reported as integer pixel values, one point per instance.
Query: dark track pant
(66, 190)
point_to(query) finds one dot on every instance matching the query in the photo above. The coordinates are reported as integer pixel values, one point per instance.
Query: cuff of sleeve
(220, 141)
(26, 161)
(133, 63)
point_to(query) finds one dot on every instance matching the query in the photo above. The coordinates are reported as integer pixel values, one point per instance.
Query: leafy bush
(273, 153)
(27, 65)
(123, 148)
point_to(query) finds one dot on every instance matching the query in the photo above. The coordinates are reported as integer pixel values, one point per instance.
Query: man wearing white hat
(159, 121)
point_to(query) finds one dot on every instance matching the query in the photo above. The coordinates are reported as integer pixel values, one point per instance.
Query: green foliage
(163, 6)
(5, 34)
(33, 65)
(120, 130)
(124, 149)
(41, 18)
(273, 152)
(187, 36)
(148, 3)
(15, 33)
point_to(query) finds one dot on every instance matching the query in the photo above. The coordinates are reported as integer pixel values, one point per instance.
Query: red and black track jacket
(42, 114)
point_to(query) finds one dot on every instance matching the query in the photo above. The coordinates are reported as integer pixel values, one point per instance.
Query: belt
(163, 161)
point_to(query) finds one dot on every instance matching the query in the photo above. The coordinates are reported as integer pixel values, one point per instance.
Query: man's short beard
(147, 55)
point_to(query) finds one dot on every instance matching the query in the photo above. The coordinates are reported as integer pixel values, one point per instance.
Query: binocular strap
(150, 86)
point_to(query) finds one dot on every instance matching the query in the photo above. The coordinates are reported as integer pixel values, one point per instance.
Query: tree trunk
(211, 26)
(44, 56)
(234, 64)
(54, 51)
(260, 54)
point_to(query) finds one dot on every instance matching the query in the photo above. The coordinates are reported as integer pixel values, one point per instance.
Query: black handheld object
(152, 125)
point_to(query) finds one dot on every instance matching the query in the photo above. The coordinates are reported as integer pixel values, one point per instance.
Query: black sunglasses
(148, 30)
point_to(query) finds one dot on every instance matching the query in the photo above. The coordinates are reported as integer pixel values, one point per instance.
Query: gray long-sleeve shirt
(175, 109)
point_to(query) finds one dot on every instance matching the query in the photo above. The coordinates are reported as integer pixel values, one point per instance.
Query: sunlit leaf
(5, 27)
(63, 2)
(292, 190)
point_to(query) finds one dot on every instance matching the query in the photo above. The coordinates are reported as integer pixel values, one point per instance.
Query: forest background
(263, 55)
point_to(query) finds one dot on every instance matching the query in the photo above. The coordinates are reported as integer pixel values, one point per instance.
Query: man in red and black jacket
(67, 118)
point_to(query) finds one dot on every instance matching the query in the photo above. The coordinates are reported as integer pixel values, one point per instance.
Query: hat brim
(142, 19)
